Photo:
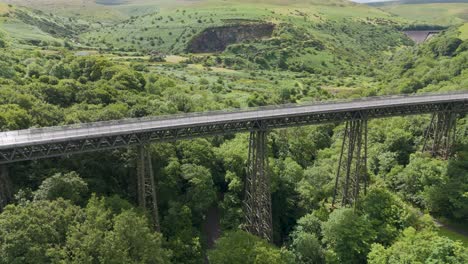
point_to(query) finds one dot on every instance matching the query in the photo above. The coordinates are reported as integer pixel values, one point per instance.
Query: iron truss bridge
(38, 143)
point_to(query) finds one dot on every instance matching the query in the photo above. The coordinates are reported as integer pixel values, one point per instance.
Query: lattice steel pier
(39, 143)
(6, 192)
(146, 186)
(257, 192)
(351, 174)
(441, 134)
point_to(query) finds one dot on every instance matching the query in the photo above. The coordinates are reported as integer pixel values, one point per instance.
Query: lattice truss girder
(146, 185)
(111, 142)
(257, 190)
(91, 144)
(351, 174)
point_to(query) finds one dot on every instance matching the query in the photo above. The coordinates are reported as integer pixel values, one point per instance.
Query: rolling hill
(428, 11)
(171, 28)
(37, 28)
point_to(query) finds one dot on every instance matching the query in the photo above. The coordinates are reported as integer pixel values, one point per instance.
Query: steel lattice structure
(35, 144)
(146, 185)
(6, 192)
(352, 166)
(440, 135)
(257, 201)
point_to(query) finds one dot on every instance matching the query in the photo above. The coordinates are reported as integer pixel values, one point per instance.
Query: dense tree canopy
(83, 209)
(59, 232)
(419, 247)
(241, 247)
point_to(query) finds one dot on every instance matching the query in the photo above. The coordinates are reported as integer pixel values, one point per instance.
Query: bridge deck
(40, 143)
(93, 130)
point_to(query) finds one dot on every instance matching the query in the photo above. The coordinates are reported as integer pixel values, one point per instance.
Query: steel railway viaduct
(351, 174)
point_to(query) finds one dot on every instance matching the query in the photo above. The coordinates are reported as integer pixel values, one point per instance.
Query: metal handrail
(211, 113)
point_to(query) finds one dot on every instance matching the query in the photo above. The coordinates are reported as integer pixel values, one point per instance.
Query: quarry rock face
(216, 39)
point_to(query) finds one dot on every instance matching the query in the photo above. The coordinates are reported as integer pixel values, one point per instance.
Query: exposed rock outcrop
(216, 39)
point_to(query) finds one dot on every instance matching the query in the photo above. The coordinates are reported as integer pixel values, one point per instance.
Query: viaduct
(351, 176)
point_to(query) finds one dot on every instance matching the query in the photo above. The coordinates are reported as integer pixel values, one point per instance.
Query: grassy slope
(437, 13)
(443, 231)
(463, 31)
(100, 13)
(174, 25)
(19, 30)
(454, 231)
(83, 9)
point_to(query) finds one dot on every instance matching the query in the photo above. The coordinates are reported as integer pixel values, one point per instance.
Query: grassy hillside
(37, 28)
(83, 9)
(464, 31)
(265, 52)
(437, 65)
(171, 28)
(334, 38)
(433, 13)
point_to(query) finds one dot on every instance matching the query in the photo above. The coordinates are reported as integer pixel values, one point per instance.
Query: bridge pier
(352, 165)
(146, 185)
(440, 135)
(257, 199)
(6, 189)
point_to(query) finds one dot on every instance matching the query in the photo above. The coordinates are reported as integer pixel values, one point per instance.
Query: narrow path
(453, 228)
(211, 228)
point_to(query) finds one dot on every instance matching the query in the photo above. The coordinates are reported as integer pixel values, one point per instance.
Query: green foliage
(306, 243)
(240, 247)
(126, 79)
(91, 68)
(200, 192)
(419, 247)
(58, 232)
(348, 236)
(319, 50)
(30, 232)
(13, 117)
(307, 248)
(102, 237)
(182, 237)
(3, 41)
(387, 214)
(317, 184)
(445, 46)
(414, 179)
(448, 198)
(132, 241)
(68, 186)
(437, 65)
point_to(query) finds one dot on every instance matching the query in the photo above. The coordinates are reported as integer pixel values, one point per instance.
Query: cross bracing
(40, 143)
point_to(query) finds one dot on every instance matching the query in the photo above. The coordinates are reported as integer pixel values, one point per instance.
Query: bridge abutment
(146, 185)
(257, 199)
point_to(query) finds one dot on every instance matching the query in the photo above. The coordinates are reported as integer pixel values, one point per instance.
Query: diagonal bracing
(257, 199)
(146, 185)
(351, 174)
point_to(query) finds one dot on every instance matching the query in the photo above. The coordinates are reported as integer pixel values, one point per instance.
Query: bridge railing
(129, 121)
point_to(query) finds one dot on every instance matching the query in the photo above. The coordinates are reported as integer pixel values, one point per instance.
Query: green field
(453, 231)
(464, 31)
(443, 231)
(440, 13)
(66, 62)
